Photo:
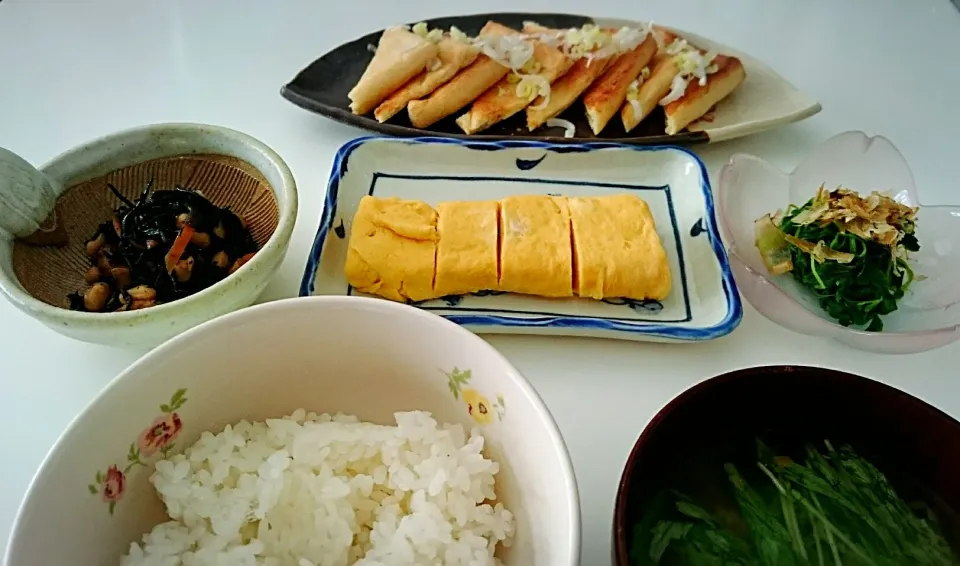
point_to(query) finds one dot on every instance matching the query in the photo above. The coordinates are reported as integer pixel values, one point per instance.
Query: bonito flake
(875, 217)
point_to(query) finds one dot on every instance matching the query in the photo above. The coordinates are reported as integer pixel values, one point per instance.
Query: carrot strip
(179, 246)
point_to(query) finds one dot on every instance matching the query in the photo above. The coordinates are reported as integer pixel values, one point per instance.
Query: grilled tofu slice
(464, 87)
(568, 88)
(641, 102)
(606, 95)
(453, 55)
(400, 56)
(698, 99)
(508, 96)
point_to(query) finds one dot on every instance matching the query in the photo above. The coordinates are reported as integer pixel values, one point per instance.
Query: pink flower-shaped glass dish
(928, 315)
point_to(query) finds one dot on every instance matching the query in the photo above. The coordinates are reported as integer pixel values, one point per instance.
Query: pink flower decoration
(113, 485)
(160, 434)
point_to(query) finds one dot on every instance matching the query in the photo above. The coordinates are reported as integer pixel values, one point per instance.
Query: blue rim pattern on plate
(708, 227)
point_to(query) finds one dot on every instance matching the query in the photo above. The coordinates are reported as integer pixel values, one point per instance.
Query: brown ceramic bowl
(68, 198)
(718, 420)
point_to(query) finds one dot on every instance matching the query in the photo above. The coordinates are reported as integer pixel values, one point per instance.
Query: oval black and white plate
(764, 100)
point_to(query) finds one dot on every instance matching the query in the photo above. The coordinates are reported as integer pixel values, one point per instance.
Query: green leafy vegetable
(856, 293)
(848, 250)
(833, 509)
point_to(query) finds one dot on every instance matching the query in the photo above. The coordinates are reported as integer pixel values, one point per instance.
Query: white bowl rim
(274, 244)
(391, 308)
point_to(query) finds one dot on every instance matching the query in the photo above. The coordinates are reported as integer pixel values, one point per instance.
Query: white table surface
(72, 70)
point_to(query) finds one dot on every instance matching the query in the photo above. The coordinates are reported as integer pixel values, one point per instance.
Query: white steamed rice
(322, 490)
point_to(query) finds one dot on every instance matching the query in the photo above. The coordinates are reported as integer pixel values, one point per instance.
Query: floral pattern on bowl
(928, 316)
(478, 405)
(157, 438)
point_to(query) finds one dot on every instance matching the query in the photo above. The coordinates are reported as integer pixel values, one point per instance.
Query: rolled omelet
(535, 255)
(453, 56)
(401, 55)
(616, 249)
(392, 249)
(467, 256)
(592, 247)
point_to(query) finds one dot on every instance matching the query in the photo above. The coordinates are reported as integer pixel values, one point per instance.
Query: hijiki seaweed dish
(850, 251)
(164, 246)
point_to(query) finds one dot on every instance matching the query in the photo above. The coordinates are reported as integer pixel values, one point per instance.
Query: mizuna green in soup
(813, 505)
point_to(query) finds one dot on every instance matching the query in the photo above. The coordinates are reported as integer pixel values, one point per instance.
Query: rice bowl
(186, 457)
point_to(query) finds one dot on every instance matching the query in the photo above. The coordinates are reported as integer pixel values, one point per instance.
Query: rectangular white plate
(703, 305)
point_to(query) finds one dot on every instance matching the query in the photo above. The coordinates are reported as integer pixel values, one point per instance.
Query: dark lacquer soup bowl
(791, 465)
